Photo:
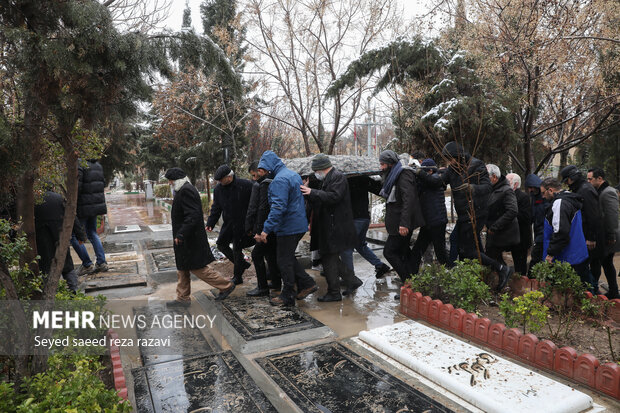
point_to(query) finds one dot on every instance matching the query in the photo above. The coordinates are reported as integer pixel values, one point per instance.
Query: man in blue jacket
(287, 219)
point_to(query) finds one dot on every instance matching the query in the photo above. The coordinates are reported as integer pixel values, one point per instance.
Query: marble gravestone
(213, 383)
(487, 381)
(331, 378)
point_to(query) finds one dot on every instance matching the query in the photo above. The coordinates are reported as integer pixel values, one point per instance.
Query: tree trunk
(528, 155)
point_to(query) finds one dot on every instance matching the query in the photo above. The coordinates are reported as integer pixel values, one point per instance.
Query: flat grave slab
(156, 244)
(120, 229)
(332, 378)
(252, 324)
(110, 281)
(161, 227)
(183, 343)
(488, 382)
(164, 260)
(210, 383)
(116, 247)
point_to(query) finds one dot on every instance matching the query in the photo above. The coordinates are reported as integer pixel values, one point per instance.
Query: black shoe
(178, 304)
(225, 293)
(258, 292)
(350, 290)
(397, 297)
(327, 298)
(306, 292)
(278, 301)
(504, 276)
(611, 296)
(382, 270)
(237, 280)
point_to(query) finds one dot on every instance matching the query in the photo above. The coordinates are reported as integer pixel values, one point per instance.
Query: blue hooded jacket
(539, 205)
(288, 212)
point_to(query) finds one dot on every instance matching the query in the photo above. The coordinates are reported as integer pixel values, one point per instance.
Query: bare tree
(138, 15)
(304, 46)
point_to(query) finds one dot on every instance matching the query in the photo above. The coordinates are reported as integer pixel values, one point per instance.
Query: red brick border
(120, 383)
(585, 368)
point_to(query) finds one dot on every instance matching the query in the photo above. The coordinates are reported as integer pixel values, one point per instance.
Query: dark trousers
(454, 245)
(335, 268)
(398, 254)
(235, 255)
(290, 270)
(610, 272)
(519, 256)
(435, 235)
(583, 271)
(266, 252)
(535, 256)
(467, 245)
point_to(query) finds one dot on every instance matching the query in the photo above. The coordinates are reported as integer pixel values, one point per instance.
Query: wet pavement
(259, 357)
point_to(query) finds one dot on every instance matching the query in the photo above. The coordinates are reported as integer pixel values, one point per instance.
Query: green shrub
(527, 311)
(162, 191)
(465, 285)
(462, 286)
(204, 200)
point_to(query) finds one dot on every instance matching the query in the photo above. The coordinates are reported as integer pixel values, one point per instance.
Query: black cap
(175, 173)
(320, 162)
(221, 172)
(570, 171)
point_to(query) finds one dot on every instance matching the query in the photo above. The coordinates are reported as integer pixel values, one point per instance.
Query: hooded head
(270, 162)
(455, 151)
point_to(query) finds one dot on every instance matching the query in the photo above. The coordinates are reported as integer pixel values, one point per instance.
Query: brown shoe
(280, 302)
(306, 292)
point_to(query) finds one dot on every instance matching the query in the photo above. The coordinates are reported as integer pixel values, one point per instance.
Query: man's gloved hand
(464, 187)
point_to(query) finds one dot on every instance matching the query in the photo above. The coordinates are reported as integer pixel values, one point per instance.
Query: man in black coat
(502, 223)
(539, 207)
(90, 204)
(231, 198)
(48, 218)
(333, 225)
(433, 203)
(258, 211)
(402, 212)
(592, 218)
(359, 187)
(524, 218)
(470, 185)
(191, 246)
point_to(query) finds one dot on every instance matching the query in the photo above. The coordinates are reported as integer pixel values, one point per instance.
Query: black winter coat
(360, 186)
(592, 217)
(406, 210)
(332, 218)
(502, 224)
(193, 252)
(433, 203)
(258, 207)
(524, 217)
(91, 185)
(231, 203)
(477, 177)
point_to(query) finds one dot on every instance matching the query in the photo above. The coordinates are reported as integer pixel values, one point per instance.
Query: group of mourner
(546, 223)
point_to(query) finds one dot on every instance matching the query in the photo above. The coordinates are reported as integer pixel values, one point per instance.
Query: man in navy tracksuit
(563, 235)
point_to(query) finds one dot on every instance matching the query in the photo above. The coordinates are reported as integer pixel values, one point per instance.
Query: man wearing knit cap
(231, 198)
(191, 246)
(332, 224)
(402, 212)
